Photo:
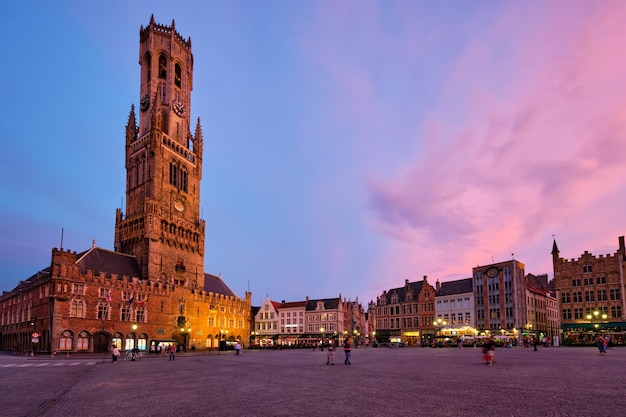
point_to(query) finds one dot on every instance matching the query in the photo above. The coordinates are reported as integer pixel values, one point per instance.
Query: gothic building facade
(406, 314)
(152, 289)
(590, 292)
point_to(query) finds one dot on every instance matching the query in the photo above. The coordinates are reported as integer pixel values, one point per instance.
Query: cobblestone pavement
(559, 381)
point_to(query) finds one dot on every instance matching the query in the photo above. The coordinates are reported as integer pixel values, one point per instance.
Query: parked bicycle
(133, 355)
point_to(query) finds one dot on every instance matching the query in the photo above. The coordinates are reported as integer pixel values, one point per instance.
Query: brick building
(152, 289)
(542, 308)
(406, 314)
(500, 291)
(587, 285)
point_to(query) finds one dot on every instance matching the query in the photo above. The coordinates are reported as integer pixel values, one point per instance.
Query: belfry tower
(162, 227)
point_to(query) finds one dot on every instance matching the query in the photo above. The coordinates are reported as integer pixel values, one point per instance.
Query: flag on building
(131, 299)
(109, 296)
(144, 301)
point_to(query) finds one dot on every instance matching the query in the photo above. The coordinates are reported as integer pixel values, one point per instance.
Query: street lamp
(439, 323)
(134, 326)
(595, 317)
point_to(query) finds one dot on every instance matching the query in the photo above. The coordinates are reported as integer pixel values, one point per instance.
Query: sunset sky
(349, 145)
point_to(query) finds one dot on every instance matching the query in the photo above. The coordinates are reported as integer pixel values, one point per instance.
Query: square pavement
(555, 381)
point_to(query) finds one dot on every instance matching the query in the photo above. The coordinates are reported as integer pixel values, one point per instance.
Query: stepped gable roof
(215, 284)
(460, 286)
(329, 304)
(103, 260)
(416, 287)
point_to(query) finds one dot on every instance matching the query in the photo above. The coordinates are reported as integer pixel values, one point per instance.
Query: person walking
(237, 348)
(489, 351)
(172, 352)
(601, 342)
(347, 348)
(115, 354)
(330, 356)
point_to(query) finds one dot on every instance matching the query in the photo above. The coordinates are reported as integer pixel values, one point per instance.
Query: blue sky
(348, 145)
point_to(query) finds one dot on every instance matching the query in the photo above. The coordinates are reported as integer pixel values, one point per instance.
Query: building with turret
(590, 293)
(152, 289)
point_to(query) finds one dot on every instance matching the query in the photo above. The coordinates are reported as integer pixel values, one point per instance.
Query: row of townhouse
(308, 322)
(499, 300)
(502, 301)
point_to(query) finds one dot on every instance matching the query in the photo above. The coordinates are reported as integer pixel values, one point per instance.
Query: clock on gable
(493, 272)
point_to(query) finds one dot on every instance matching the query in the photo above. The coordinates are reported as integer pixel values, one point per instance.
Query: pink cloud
(529, 132)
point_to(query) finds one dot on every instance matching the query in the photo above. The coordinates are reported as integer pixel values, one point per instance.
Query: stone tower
(162, 227)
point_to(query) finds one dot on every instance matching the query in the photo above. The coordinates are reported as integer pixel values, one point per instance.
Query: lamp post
(185, 333)
(439, 323)
(322, 342)
(134, 326)
(135, 347)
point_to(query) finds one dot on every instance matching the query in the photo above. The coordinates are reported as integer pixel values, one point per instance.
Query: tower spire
(131, 126)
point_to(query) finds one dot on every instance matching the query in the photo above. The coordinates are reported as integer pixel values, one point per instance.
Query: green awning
(610, 326)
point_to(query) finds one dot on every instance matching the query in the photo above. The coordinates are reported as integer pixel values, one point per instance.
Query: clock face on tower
(492, 272)
(179, 205)
(145, 102)
(179, 108)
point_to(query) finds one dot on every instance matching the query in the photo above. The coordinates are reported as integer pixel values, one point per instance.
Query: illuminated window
(65, 343)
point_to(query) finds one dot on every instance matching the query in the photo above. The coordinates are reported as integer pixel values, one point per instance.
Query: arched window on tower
(177, 75)
(162, 66)
(137, 171)
(148, 66)
(173, 173)
(183, 180)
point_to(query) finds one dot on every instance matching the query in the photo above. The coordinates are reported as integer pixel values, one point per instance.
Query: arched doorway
(180, 341)
(101, 342)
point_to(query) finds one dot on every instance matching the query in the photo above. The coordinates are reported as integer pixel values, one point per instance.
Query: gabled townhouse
(542, 309)
(406, 314)
(291, 325)
(266, 329)
(454, 310)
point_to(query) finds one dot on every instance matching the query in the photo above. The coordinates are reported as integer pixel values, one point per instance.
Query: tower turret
(162, 225)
